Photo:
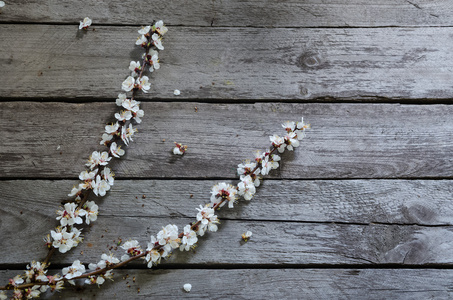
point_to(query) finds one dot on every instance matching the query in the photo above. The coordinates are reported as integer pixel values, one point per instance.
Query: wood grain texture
(311, 13)
(421, 202)
(288, 237)
(231, 63)
(268, 284)
(347, 141)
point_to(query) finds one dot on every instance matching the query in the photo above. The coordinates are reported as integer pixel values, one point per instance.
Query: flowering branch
(98, 178)
(168, 238)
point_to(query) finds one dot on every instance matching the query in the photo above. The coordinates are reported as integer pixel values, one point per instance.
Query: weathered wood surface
(269, 284)
(231, 63)
(273, 243)
(418, 202)
(311, 13)
(278, 237)
(346, 141)
(235, 52)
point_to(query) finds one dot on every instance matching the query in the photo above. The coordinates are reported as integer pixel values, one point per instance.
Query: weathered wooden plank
(273, 242)
(27, 209)
(347, 140)
(269, 284)
(231, 63)
(311, 13)
(422, 202)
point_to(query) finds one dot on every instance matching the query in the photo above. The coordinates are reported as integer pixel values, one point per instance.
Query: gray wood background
(362, 210)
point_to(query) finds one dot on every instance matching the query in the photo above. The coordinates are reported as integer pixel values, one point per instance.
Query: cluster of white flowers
(75, 270)
(64, 240)
(150, 36)
(35, 272)
(99, 178)
(207, 219)
(250, 172)
(169, 239)
(107, 260)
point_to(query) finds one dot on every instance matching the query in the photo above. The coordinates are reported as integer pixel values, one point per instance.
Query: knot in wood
(310, 60)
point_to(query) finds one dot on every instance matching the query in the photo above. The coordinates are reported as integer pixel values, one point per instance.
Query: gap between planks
(321, 100)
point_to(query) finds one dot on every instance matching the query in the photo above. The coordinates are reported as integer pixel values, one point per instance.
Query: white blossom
(278, 142)
(301, 127)
(1, 5)
(247, 187)
(246, 168)
(76, 235)
(92, 210)
(36, 270)
(87, 178)
(144, 30)
(291, 141)
(127, 133)
(168, 237)
(17, 294)
(265, 166)
(34, 292)
(223, 191)
(141, 40)
(85, 175)
(70, 215)
(124, 257)
(100, 186)
(177, 92)
(100, 265)
(95, 279)
(132, 248)
(106, 138)
(109, 259)
(189, 238)
(85, 23)
(121, 98)
(112, 129)
(208, 220)
(289, 126)
(273, 161)
(3, 295)
(62, 240)
(75, 270)
(153, 59)
(135, 67)
(144, 84)
(157, 41)
(160, 28)
(124, 115)
(187, 287)
(179, 149)
(17, 280)
(138, 115)
(116, 150)
(75, 190)
(246, 235)
(154, 255)
(55, 282)
(98, 159)
(131, 105)
(128, 84)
